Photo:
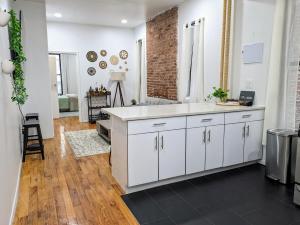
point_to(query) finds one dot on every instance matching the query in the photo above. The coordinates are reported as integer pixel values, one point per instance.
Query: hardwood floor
(65, 190)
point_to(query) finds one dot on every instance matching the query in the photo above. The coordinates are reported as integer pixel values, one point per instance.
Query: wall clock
(92, 56)
(91, 71)
(103, 53)
(103, 65)
(114, 60)
(123, 54)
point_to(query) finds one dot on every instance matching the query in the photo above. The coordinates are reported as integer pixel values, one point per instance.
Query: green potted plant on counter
(220, 94)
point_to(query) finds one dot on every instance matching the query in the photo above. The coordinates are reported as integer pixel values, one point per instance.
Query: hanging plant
(19, 94)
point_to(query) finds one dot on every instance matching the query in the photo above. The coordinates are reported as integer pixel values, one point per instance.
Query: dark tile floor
(238, 197)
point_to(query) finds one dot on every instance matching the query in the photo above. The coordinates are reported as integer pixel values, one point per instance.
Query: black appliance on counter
(247, 98)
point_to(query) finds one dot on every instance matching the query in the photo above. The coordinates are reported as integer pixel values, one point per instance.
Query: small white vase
(7, 66)
(4, 18)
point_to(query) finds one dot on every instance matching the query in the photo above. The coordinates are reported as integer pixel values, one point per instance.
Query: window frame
(59, 74)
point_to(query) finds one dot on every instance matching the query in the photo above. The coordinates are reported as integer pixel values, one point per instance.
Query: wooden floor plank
(65, 190)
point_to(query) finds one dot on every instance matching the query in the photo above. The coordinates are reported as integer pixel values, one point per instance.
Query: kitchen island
(160, 144)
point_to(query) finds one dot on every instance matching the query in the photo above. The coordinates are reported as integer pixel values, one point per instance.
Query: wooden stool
(33, 144)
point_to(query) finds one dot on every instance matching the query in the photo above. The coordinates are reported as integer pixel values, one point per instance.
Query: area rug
(87, 143)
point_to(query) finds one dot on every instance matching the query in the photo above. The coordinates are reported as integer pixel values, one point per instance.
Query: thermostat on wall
(253, 53)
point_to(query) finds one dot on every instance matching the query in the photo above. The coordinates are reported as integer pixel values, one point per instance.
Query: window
(59, 80)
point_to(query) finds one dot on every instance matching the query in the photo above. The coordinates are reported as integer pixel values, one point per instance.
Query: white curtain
(197, 73)
(69, 76)
(141, 87)
(191, 80)
(278, 90)
(187, 49)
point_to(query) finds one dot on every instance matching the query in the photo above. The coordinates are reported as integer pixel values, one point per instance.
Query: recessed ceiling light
(58, 15)
(124, 21)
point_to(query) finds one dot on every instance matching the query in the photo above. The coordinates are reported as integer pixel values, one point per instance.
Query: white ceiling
(107, 12)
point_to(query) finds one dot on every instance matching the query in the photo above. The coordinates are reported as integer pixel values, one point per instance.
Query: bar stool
(33, 143)
(32, 116)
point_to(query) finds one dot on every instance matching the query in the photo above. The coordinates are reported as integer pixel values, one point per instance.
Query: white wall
(38, 81)
(140, 32)
(65, 37)
(10, 149)
(212, 11)
(254, 23)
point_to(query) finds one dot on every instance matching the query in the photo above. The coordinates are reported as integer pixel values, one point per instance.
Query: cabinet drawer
(154, 125)
(240, 117)
(205, 120)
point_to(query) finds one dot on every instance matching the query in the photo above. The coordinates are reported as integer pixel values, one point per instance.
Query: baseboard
(16, 196)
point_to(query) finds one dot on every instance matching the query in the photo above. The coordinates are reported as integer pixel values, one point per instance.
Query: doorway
(65, 85)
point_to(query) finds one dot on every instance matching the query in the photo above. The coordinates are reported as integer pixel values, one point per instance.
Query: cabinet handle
(204, 136)
(206, 120)
(244, 131)
(209, 136)
(248, 131)
(156, 143)
(159, 124)
(246, 116)
(162, 142)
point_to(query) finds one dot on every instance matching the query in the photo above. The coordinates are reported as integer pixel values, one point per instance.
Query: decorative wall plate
(103, 53)
(103, 65)
(114, 60)
(123, 54)
(92, 56)
(91, 71)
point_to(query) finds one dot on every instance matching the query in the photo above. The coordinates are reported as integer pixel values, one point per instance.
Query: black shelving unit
(96, 102)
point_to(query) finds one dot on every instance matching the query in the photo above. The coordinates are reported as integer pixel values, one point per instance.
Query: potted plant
(220, 94)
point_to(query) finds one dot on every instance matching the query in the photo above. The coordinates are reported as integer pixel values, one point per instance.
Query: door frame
(77, 77)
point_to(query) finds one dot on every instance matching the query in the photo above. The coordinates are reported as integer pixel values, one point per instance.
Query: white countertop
(173, 110)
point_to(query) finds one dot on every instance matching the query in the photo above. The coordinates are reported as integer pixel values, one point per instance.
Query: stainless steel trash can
(278, 154)
(295, 167)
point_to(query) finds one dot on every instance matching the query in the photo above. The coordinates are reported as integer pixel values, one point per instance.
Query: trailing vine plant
(19, 94)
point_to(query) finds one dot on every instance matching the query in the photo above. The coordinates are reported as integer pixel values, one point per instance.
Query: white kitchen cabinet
(171, 154)
(214, 147)
(253, 141)
(142, 158)
(195, 150)
(204, 148)
(234, 140)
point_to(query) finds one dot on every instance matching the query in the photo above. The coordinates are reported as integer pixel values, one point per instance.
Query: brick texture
(162, 55)
(294, 60)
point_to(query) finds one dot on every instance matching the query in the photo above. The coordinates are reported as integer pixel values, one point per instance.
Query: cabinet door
(195, 150)
(142, 159)
(214, 147)
(253, 141)
(234, 140)
(171, 154)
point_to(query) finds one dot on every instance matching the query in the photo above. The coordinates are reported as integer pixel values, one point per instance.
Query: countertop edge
(250, 108)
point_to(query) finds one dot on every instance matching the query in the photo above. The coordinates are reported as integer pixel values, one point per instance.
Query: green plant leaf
(19, 94)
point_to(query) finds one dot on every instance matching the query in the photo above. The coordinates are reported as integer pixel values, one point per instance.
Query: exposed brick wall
(162, 55)
(294, 60)
(298, 99)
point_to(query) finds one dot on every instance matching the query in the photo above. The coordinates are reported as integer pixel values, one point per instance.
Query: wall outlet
(249, 84)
